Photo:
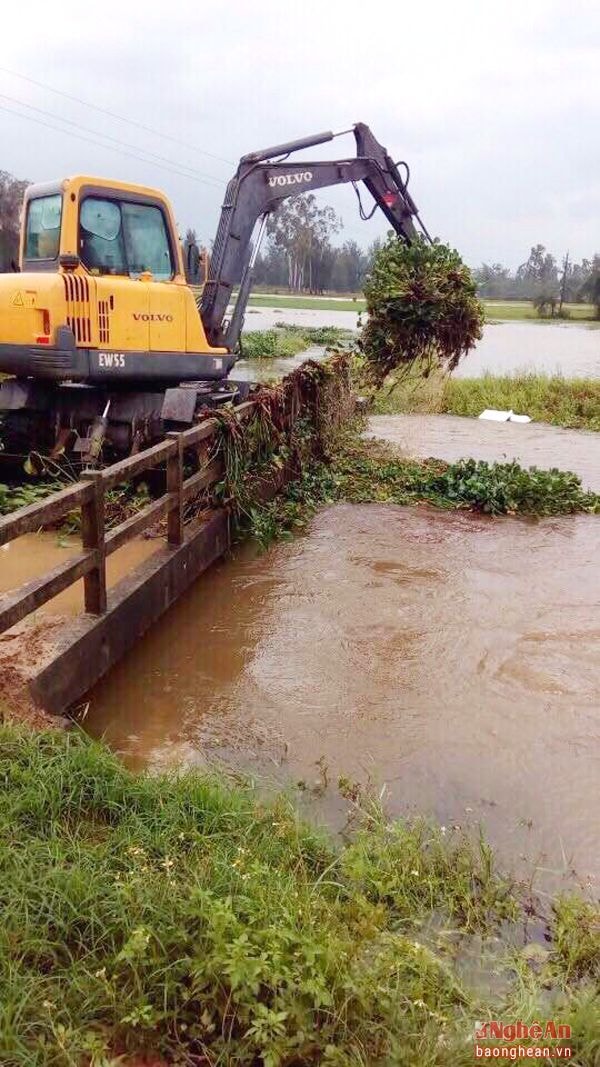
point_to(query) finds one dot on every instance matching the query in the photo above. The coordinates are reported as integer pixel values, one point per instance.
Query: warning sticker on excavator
(24, 298)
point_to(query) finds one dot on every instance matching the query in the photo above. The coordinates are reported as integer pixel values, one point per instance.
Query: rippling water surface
(453, 658)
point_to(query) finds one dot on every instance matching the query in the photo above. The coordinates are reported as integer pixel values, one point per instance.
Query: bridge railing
(328, 399)
(88, 497)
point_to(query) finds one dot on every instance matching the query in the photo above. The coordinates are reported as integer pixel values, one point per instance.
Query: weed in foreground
(186, 916)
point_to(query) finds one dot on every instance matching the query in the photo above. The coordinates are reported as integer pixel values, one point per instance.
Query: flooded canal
(268, 370)
(450, 657)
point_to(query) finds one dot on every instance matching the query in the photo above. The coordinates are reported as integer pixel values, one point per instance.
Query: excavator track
(75, 426)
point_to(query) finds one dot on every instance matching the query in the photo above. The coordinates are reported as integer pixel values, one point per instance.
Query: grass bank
(187, 918)
(573, 403)
(523, 310)
(285, 340)
(495, 310)
(309, 303)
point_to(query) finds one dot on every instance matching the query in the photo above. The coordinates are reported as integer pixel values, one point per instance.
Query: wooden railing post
(92, 536)
(175, 486)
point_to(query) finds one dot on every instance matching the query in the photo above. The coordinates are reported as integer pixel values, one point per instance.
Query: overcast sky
(496, 106)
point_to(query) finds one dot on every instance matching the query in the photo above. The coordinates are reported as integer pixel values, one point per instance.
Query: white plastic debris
(493, 415)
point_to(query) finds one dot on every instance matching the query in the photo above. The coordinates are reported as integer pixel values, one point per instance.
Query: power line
(115, 115)
(108, 137)
(99, 144)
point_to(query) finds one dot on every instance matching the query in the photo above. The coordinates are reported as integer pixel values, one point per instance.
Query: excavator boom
(262, 181)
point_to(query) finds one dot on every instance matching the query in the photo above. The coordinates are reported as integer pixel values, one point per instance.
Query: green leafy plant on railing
(256, 450)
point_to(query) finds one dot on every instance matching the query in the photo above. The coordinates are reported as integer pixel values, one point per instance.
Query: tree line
(299, 255)
(548, 283)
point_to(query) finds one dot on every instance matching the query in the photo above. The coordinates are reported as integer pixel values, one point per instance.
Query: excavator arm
(262, 181)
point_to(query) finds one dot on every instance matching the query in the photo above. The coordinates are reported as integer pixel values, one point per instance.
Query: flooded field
(452, 437)
(571, 349)
(451, 658)
(267, 370)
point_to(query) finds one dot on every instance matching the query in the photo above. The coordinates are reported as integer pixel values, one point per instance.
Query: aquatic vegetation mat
(361, 471)
(186, 917)
(423, 308)
(286, 340)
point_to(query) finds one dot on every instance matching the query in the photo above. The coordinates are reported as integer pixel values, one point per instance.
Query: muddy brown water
(33, 555)
(452, 659)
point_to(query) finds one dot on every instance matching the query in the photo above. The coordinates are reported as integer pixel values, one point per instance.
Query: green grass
(284, 340)
(271, 344)
(563, 402)
(310, 303)
(495, 309)
(507, 310)
(503, 310)
(573, 403)
(187, 917)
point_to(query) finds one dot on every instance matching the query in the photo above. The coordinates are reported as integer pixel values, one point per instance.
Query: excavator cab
(102, 293)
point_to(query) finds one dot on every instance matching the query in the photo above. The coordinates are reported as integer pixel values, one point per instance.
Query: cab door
(152, 259)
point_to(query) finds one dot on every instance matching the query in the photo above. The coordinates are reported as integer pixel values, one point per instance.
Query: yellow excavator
(100, 330)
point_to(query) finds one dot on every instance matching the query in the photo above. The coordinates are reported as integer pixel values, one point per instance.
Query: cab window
(120, 237)
(42, 231)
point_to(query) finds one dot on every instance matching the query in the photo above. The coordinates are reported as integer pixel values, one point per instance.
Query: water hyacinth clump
(423, 308)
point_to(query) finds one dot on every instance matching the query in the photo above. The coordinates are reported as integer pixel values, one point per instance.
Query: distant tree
(301, 229)
(11, 198)
(322, 264)
(564, 281)
(590, 290)
(270, 267)
(540, 275)
(578, 275)
(350, 268)
(195, 258)
(494, 281)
